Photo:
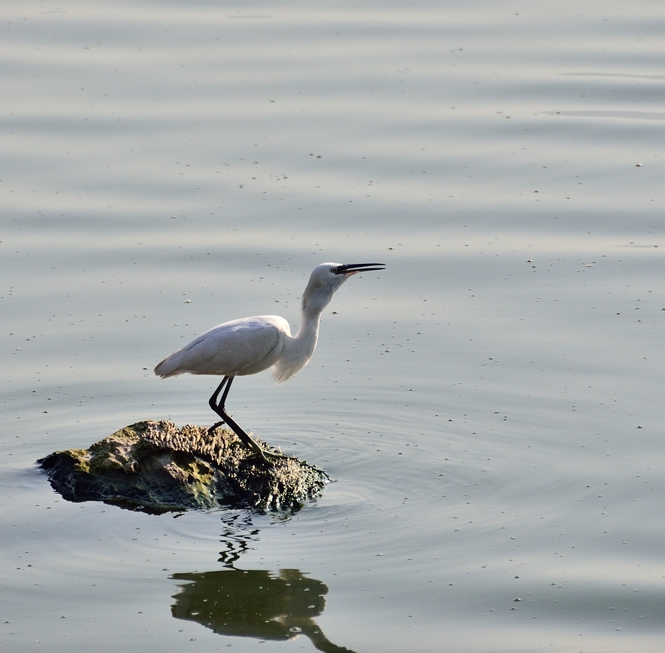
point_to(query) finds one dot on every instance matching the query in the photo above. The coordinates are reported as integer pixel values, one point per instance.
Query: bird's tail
(168, 367)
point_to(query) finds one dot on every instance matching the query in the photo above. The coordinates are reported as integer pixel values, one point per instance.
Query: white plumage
(254, 344)
(236, 348)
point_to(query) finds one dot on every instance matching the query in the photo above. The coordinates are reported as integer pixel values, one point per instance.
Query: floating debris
(157, 467)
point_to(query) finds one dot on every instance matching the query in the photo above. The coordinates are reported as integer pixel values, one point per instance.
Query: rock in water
(158, 467)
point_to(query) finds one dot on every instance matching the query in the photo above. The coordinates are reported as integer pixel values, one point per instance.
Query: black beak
(354, 268)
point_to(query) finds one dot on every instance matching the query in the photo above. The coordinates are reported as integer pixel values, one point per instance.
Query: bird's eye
(333, 270)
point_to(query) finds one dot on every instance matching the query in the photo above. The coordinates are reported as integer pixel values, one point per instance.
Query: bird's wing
(234, 348)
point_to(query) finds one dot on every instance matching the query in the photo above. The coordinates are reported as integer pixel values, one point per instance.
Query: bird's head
(327, 278)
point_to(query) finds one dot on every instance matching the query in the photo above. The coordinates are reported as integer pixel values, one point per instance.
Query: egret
(254, 344)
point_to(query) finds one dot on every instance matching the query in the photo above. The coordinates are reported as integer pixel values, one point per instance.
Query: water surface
(490, 405)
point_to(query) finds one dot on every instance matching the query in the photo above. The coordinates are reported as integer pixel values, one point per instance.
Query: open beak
(353, 268)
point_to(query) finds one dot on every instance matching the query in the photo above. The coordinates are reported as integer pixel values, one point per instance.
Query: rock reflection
(255, 603)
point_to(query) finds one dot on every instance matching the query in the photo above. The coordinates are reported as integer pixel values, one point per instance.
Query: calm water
(490, 405)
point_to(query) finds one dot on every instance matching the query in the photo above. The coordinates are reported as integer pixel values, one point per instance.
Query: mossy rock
(158, 467)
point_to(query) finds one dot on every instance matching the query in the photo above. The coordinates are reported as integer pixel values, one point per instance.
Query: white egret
(254, 344)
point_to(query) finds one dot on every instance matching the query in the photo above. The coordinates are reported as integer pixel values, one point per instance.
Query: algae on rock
(158, 467)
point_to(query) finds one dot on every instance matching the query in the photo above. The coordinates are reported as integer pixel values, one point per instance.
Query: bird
(251, 345)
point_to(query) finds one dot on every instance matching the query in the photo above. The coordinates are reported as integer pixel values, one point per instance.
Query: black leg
(226, 381)
(219, 408)
(212, 402)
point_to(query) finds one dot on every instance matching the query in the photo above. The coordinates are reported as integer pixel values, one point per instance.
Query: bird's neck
(298, 350)
(308, 333)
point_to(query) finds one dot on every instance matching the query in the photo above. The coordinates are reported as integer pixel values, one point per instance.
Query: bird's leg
(213, 401)
(220, 409)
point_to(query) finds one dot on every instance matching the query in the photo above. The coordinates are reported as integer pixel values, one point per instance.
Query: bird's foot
(265, 454)
(275, 454)
(211, 430)
(262, 453)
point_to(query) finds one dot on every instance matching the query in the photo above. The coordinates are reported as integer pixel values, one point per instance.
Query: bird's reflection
(237, 536)
(252, 603)
(255, 603)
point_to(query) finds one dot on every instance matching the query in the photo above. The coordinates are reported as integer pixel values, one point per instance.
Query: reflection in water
(237, 535)
(256, 604)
